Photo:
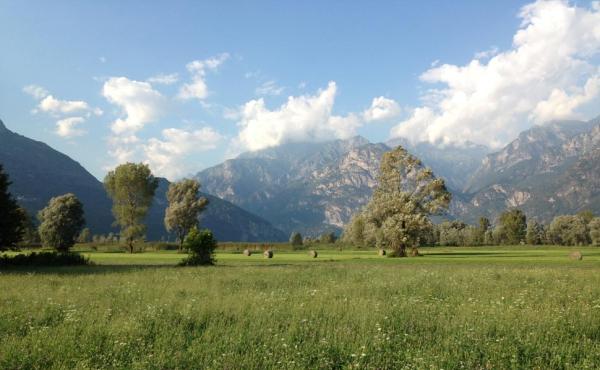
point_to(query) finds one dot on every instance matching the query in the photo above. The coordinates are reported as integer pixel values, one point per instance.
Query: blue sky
(183, 85)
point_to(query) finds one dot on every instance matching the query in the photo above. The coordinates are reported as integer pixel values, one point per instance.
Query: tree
(296, 239)
(452, 233)
(61, 222)
(484, 225)
(11, 217)
(397, 216)
(535, 233)
(586, 215)
(184, 208)
(512, 227)
(30, 232)
(354, 233)
(85, 236)
(131, 187)
(594, 227)
(328, 238)
(201, 245)
(568, 230)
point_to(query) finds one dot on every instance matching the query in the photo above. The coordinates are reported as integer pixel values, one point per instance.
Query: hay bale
(313, 254)
(576, 256)
(247, 252)
(382, 252)
(268, 254)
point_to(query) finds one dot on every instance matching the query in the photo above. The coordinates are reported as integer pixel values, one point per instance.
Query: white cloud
(269, 88)
(70, 113)
(548, 73)
(166, 156)
(164, 79)
(56, 106)
(487, 53)
(381, 109)
(68, 127)
(197, 89)
(301, 118)
(139, 102)
(36, 91)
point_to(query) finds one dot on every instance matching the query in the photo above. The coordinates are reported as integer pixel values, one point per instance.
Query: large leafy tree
(12, 218)
(131, 186)
(407, 194)
(512, 227)
(184, 207)
(61, 222)
(594, 227)
(568, 230)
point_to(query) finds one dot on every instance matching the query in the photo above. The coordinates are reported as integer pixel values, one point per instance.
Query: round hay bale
(382, 252)
(268, 254)
(576, 256)
(313, 254)
(247, 252)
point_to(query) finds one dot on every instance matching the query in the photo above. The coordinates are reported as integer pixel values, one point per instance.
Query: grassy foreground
(469, 308)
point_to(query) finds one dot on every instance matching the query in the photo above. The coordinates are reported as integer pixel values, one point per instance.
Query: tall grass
(303, 315)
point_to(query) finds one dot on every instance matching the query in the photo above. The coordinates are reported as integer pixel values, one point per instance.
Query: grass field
(501, 307)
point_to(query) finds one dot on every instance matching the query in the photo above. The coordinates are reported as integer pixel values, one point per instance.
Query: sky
(184, 85)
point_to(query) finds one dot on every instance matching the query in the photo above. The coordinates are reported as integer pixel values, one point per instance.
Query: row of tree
(398, 216)
(131, 187)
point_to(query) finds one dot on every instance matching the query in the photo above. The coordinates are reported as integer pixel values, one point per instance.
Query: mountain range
(548, 170)
(39, 173)
(264, 195)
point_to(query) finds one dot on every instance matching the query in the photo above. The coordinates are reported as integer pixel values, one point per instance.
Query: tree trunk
(399, 250)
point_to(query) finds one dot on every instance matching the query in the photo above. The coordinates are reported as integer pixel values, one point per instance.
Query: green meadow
(473, 308)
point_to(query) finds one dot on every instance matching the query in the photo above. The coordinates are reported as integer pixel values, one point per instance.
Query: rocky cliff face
(309, 188)
(548, 170)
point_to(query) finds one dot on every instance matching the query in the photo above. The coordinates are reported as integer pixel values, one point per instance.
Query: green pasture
(473, 308)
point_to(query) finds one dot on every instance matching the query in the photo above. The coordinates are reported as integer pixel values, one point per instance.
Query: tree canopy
(131, 186)
(184, 207)
(61, 222)
(407, 194)
(12, 218)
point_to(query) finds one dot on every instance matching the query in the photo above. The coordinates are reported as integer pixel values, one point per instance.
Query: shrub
(201, 245)
(44, 259)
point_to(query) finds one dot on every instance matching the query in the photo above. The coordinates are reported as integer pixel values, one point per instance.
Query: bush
(45, 259)
(201, 245)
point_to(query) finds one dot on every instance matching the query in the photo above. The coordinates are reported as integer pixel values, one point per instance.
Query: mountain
(548, 170)
(306, 187)
(39, 173)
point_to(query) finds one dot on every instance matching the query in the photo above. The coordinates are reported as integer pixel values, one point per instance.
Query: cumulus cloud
(166, 157)
(70, 113)
(164, 79)
(36, 91)
(56, 106)
(269, 88)
(381, 109)
(547, 73)
(300, 118)
(69, 127)
(197, 88)
(140, 104)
